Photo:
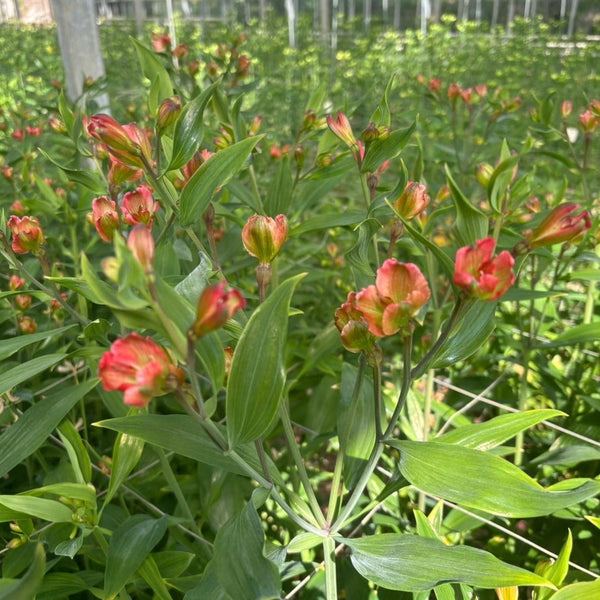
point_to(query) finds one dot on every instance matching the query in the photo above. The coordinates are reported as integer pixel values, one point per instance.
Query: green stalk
(330, 572)
(377, 399)
(295, 452)
(174, 485)
(336, 482)
(404, 388)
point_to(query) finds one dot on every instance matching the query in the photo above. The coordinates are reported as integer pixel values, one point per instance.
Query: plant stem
(336, 482)
(421, 367)
(377, 398)
(405, 386)
(290, 438)
(174, 485)
(330, 571)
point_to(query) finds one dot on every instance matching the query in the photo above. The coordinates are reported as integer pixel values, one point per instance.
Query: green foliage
(258, 449)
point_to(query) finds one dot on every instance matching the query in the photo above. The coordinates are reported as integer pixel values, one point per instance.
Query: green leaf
(10, 346)
(328, 221)
(556, 571)
(382, 116)
(209, 586)
(501, 177)
(580, 334)
(153, 69)
(151, 575)
(89, 179)
(471, 224)
(241, 569)
(279, 194)
(215, 172)
(41, 508)
(78, 455)
(77, 491)
(579, 591)
(443, 259)
(358, 255)
(385, 149)
(482, 481)
(27, 370)
(35, 425)
(492, 433)
(181, 434)
(303, 541)
(470, 333)
(356, 423)
(127, 452)
(257, 373)
(412, 563)
(189, 129)
(129, 546)
(27, 587)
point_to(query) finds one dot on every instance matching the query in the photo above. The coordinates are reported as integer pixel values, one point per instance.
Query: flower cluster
(382, 309)
(479, 274)
(140, 368)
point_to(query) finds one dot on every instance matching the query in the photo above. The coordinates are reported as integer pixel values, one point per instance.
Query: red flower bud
(434, 85)
(141, 244)
(412, 201)
(180, 51)
(565, 109)
(23, 301)
(263, 236)
(104, 217)
(454, 92)
(168, 111)
(559, 226)
(353, 327)
(215, 308)
(140, 368)
(27, 324)
(588, 122)
(480, 275)
(15, 283)
(27, 235)
(161, 42)
(341, 128)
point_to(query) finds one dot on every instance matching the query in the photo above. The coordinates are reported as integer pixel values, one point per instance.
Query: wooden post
(79, 47)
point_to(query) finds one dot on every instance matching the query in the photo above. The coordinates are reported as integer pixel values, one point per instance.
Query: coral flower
(104, 217)
(27, 235)
(399, 292)
(413, 201)
(559, 226)
(341, 128)
(139, 207)
(215, 308)
(140, 368)
(353, 327)
(263, 236)
(480, 275)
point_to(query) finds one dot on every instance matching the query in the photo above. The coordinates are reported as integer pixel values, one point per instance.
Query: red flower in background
(27, 235)
(559, 226)
(140, 368)
(139, 207)
(215, 308)
(480, 275)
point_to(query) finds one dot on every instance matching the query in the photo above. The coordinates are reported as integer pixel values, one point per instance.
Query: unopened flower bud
(57, 125)
(588, 122)
(559, 226)
(263, 236)
(412, 201)
(215, 308)
(308, 120)
(104, 217)
(299, 156)
(341, 128)
(370, 133)
(27, 324)
(565, 109)
(141, 244)
(483, 173)
(168, 111)
(594, 106)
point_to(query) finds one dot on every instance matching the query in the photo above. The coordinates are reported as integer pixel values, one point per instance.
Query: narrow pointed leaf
(154, 70)
(12, 345)
(579, 591)
(385, 149)
(492, 433)
(241, 568)
(471, 224)
(27, 370)
(32, 429)
(27, 587)
(127, 452)
(129, 546)
(189, 129)
(412, 563)
(482, 481)
(41, 508)
(257, 374)
(215, 172)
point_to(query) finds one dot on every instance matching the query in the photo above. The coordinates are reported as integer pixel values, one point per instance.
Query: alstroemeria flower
(140, 368)
(559, 226)
(353, 327)
(263, 236)
(104, 217)
(342, 129)
(480, 275)
(215, 308)
(141, 244)
(27, 234)
(139, 207)
(399, 292)
(412, 201)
